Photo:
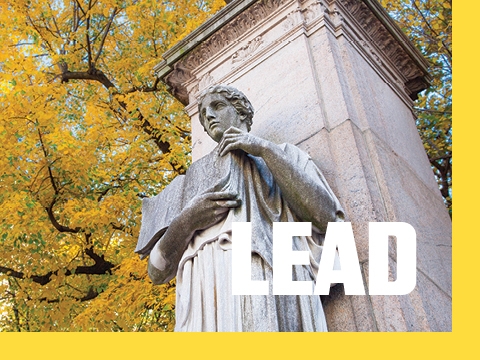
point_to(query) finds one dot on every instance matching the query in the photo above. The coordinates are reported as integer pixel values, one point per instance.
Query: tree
(86, 131)
(428, 23)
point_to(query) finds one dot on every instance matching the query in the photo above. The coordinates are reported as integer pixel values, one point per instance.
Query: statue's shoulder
(295, 152)
(205, 161)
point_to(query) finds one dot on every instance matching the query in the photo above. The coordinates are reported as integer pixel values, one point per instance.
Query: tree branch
(433, 111)
(54, 21)
(61, 228)
(100, 267)
(107, 29)
(445, 157)
(45, 154)
(92, 74)
(56, 190)
(87, 37)
(80, 7)
(145, 89)
(98, 75)
(431, 29)
(91, 294)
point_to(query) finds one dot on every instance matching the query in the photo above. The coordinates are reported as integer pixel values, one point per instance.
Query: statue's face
(219, 115)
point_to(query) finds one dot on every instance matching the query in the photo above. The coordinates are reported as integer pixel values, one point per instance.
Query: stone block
(296, 106)
(329, 82)
(380, 109)
(387, 310)
(416, 204)
(340, 92)
(351, 182)
(318, 147)
(338, 310)
(379, 211)
(436, 304)
(417, 311)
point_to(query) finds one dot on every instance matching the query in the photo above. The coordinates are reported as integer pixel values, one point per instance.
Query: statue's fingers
(220, 211)
(231, 146)
(229, 203)
(222, 195)
(226, 139)
(233, 130)
(221, 144)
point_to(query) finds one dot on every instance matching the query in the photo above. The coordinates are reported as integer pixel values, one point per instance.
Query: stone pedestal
(337, 78)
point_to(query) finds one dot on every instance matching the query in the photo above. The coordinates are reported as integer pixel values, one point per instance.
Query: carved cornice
(382, 39)
(226, 35)
(390, 43)
(206, 81)
(246, 51)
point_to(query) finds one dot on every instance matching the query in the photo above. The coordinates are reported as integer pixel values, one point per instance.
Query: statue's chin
(216, 136)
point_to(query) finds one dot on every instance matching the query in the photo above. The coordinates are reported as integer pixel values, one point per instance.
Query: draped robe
(204, 290)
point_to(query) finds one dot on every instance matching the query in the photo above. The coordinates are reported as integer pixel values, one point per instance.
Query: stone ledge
(239, 16)
(192, 40)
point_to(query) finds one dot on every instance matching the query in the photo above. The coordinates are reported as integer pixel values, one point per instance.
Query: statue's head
(222, 106)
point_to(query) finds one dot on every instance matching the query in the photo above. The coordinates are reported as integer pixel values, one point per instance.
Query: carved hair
(238, 100)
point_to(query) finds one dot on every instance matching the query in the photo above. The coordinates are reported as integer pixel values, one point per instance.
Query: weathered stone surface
(336, 78)
(235, 21)
(352, 185)
(159, 211)
(330, 79)
(244, 179)
(366, 153)
(276, 113)
(363, 313)
(387, 310)
(318, 147)
(414, 203)
(436, 304)
(385, 114)
(338, 311)
(414, 313)
(417, 311)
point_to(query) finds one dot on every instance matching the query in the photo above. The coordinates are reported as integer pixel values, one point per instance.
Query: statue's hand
(208, 209)
(234, 139)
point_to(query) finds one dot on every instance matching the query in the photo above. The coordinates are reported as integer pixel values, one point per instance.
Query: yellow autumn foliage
(428, 24)
(86, 131)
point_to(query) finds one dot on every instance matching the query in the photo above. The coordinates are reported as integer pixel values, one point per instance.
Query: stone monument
(244, 179)
(336, 78)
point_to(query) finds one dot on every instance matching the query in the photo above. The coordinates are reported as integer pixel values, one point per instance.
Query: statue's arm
(167, 252)
(309, 198)
(202, 212)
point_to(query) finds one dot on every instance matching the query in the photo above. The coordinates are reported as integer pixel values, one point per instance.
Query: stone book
(159, 211)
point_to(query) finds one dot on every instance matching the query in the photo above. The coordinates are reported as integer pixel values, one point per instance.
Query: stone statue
(186, 229)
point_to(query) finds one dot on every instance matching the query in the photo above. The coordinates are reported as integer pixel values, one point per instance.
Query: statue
(186, 229)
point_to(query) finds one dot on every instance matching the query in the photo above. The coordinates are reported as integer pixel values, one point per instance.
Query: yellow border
(86, 346)
(460, 342)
